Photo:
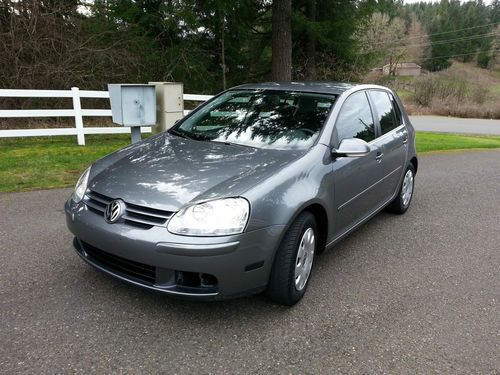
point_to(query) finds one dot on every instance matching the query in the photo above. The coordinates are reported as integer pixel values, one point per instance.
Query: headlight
(81, 186)
(214, 218)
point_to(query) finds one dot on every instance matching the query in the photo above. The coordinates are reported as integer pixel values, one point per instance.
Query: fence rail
(77, 113)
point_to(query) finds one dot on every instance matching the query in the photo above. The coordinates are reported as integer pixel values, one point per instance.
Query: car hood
(166, 172)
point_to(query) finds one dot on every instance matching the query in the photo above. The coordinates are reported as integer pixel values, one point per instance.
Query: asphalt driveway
(408, 294)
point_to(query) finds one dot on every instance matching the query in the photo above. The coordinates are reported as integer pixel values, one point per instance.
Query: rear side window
(387, 115)
(397, 110)
(355, 119)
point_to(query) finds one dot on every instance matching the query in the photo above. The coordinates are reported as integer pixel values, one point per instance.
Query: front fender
(305, 182)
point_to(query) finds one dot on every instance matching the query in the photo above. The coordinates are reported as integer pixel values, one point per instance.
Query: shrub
(425, 89)
(483, 59)
(480, 94)
(443, 107)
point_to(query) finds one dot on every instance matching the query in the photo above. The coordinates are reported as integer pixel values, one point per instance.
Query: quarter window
(387, 115)
(355, 119)
(397, 110)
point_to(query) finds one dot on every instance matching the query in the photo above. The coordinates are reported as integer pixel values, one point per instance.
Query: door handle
(405, 140)
(379, 156)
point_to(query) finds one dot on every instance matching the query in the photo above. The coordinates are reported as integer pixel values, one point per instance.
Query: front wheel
(402, 201)
(294, 261)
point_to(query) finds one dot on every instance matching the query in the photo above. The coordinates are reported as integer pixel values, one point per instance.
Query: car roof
(322, 87)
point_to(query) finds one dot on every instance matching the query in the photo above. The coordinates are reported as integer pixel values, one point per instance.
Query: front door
(357, 192)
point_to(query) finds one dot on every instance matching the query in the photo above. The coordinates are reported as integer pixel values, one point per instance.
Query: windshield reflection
(260, 118)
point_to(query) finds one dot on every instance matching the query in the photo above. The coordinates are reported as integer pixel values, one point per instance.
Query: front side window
(260, 118)
(355, 119)
(386, 112)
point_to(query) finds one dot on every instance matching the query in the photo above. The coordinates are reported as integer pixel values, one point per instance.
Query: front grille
(139, 271)
(144, 217)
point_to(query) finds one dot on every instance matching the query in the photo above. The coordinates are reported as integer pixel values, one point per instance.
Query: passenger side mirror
(351, 147)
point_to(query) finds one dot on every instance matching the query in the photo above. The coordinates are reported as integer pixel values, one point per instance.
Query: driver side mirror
(351, 147)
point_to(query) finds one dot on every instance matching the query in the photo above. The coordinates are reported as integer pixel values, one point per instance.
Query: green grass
(405, 94)
(495, 89)
(53, 162)
(444, 142)
(49, 162)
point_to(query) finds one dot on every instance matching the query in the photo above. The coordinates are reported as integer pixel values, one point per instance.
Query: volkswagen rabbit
(242, 194)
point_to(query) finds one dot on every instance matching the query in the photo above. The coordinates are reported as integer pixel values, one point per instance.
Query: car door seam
(368, 188)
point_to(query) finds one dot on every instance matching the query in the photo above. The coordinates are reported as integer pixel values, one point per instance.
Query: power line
(438, 42)
(446, 41)
(451, 56)
(441, 33)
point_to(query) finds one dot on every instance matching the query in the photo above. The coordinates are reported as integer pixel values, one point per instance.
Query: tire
(284, 287)
(401, 203)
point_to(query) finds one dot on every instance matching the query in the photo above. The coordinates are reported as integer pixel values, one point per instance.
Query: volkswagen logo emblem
(114, 211)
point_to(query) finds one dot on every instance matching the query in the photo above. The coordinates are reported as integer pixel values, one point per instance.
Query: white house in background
(403, 69)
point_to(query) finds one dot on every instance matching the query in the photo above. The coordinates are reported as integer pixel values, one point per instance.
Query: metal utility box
(133, 104)
(170, 103)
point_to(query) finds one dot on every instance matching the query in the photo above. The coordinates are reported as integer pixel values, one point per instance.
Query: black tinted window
(260, 118)
(385, 110)
(355, 119)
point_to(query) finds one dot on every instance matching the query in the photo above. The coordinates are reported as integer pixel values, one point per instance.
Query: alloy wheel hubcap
(304, 260)
(407, 189)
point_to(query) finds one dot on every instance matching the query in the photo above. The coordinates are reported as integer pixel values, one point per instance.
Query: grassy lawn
(50, 162)
(444, 142)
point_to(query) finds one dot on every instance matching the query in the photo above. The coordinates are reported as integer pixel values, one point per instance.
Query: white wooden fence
(77, 113)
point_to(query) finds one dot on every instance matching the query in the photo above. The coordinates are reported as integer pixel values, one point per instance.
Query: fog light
(195, 279)
(208, 280)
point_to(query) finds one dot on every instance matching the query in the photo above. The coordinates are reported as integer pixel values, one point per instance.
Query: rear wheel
(294, 261)
(402, 201)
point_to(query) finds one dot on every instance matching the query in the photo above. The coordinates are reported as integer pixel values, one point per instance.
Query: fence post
(77, 107)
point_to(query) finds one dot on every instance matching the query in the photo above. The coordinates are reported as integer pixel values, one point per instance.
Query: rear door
(392, 140)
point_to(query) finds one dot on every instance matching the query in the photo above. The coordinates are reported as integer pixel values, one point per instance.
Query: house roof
(405, 65)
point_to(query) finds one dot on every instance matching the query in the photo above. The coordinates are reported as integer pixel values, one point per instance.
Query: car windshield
(260, 118)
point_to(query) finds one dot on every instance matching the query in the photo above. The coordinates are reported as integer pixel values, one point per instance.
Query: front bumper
(159, 260)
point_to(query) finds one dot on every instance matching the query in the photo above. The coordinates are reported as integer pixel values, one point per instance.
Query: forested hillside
(434, 34)
(213, 44)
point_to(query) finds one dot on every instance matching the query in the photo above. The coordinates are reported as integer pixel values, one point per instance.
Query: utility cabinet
(133, 104)
(170, 103)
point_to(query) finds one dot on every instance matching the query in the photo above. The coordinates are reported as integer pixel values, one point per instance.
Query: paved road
(408, 294)
(456, 125)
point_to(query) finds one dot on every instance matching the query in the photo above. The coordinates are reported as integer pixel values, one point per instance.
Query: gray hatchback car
(242, 194)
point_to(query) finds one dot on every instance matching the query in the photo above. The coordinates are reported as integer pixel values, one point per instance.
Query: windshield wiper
(179, 134)
(233, 144)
